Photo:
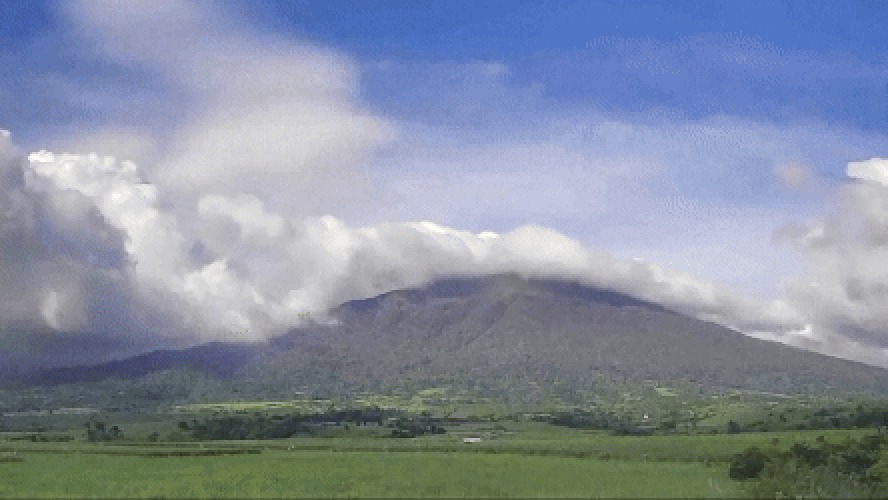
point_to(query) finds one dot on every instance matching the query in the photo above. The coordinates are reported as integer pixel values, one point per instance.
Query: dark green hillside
(506, 332)
(502, 337)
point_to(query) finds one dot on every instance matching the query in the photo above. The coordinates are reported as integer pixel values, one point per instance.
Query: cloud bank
(248, 272)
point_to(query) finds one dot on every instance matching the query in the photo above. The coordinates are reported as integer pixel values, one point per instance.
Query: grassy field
(159, 454)
(530, 460)
(85, 471)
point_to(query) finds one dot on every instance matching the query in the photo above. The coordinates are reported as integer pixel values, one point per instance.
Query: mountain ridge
(503, 334)
(510, 326)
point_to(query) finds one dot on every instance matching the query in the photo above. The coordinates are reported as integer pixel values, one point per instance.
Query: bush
(854, 468)
(748, 464)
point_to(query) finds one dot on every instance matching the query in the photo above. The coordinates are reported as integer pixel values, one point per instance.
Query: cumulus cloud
(260, 114)
(258, 271)
(844, 292)
(56, 251)
(874, 170)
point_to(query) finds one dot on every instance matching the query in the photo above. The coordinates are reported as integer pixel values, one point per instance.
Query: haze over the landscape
(183, 172)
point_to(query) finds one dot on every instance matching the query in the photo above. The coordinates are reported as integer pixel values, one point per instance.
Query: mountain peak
(502, 286)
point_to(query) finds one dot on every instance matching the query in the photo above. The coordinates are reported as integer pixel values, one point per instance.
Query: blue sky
(630, 57)
(634, 56)
(705, 137)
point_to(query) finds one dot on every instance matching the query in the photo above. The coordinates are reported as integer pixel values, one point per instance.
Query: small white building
(470, 440)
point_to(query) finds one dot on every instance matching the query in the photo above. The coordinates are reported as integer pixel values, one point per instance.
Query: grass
(535, 461)
(518, 457)
(302, 473)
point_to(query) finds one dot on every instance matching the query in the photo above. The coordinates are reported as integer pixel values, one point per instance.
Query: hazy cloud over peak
(261, 271)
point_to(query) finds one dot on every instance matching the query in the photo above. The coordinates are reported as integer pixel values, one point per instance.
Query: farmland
(514, 458)
(436, 442)
(319, 473)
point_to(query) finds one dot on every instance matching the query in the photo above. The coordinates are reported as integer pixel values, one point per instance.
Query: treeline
(261, 426)
(861, 415)
(871, 414)
(599, 420)
(100, 431)
(853, 468)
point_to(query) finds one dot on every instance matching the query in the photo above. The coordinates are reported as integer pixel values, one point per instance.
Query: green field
(85, 471)
(177, 452)
(531, 460)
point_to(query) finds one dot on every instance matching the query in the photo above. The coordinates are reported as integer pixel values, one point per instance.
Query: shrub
(748, 464)
(854, 468)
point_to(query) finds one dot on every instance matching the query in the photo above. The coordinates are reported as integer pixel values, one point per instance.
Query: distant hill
(216, 359)
(23, 354)
(504, 336)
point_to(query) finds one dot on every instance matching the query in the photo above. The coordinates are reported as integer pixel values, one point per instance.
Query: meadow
(336, 450)
(521, 459)
(84, 471)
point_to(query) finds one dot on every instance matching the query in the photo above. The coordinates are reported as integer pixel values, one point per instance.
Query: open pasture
(161, 455)
(527, 461)
(75, 472)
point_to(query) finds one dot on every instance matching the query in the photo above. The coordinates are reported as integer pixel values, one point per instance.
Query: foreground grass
(302, 473)
(526, 460)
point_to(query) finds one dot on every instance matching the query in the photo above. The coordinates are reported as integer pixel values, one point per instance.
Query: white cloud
(261, 114)
(844, 290)
(56, 250)
(262, 270)
(133, 144)
(872, 170)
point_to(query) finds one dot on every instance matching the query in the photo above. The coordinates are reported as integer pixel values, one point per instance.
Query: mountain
(503, 336)
(216, 359)
(22, 353)
(505, 332)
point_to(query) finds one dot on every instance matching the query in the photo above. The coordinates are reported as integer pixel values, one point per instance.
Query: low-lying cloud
(248, 272)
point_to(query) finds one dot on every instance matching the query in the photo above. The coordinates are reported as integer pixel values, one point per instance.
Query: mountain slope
(216, 359)
(516, 331)
(503, 336)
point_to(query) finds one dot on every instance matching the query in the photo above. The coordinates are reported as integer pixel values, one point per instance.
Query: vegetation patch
(852, 468)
